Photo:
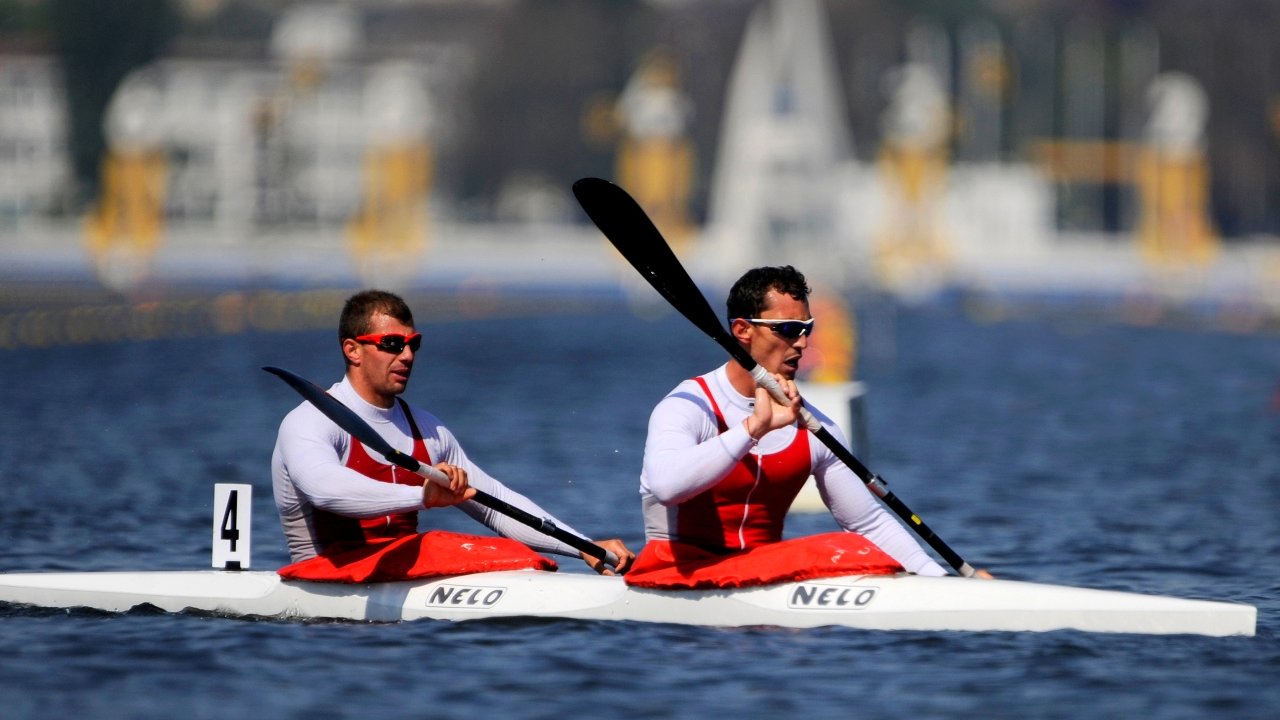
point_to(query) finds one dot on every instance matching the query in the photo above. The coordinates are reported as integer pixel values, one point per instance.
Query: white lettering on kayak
(465, 597)
(813, 596)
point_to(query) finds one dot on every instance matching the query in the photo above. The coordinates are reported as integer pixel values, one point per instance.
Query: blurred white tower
(783, 141)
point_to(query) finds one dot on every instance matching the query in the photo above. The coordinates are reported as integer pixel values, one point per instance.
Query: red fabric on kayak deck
(421, 555)
(679, 566)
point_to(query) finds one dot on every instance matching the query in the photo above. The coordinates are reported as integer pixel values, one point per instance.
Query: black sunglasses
(393, 343)
(789, 329)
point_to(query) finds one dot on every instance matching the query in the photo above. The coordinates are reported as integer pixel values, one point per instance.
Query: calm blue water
(1050, 450)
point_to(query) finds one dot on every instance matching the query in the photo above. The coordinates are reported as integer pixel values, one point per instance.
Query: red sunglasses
(393, 343)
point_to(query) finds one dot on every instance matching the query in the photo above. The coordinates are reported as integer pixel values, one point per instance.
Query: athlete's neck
(368, 394)
(741, 380)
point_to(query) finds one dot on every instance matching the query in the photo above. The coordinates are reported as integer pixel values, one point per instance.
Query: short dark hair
(359, 309)
(746, 297)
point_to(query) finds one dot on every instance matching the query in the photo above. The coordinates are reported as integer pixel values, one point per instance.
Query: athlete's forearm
(855, 509)
(506, 526)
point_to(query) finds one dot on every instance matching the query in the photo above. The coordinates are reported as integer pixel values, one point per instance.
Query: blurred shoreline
(53, 292)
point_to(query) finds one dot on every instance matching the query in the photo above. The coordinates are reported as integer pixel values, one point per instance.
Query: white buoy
(842, 402)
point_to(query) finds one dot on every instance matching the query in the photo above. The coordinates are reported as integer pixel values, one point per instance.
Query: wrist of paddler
(434, 495)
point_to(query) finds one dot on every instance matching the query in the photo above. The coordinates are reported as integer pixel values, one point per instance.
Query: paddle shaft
(629, 229)
(874, 482)
(349, 421)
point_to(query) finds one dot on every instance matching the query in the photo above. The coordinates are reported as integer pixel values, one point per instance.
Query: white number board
(232, 526)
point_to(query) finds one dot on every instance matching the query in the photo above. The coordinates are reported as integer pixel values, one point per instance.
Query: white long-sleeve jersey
(686, 454)
(308, 471)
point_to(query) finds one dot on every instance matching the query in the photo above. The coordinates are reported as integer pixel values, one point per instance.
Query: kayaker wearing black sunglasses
(723, 463)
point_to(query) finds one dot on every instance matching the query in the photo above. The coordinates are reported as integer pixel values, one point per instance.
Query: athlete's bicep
(685, 453)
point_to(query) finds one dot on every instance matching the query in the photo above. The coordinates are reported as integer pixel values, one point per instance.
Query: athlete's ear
(741, 330)
(351, 351)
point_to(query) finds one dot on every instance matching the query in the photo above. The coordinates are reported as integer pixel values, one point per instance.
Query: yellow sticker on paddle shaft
(915, 519)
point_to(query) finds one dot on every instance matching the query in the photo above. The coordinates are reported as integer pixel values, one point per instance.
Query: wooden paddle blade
(629, 229)
(345, 418)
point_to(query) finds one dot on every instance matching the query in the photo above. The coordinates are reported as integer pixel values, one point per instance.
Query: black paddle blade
(626, 225)
(344, 417)
(629, 229)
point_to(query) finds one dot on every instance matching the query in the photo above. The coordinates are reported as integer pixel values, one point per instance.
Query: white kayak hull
(896, 602)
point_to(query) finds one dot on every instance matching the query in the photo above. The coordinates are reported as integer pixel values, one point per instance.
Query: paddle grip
(430, 473)
(765, 380)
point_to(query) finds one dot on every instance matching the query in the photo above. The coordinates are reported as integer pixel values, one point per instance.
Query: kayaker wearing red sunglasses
(331, 492)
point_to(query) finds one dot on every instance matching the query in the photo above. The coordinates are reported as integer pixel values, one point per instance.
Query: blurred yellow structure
(392, 220)
(1175, 228)
(913, 165)
(123, 229)
(1168, 168)
(655, 161)
(129, 215)
(912, 236)
(390, 231)
(1088, 161)
(1173, 175)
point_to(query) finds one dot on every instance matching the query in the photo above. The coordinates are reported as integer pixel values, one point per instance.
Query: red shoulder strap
(706, 390)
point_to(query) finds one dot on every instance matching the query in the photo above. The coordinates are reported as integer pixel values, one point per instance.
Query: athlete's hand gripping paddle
(625, 224)
(345, 418)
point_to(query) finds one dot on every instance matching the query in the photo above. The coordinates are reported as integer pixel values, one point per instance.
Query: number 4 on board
(232, 504)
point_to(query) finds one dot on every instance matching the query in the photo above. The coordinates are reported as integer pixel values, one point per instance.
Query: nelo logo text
(465, 597)
(812, 596)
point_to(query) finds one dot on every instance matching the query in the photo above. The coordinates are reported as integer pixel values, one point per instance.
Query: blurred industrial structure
(1008, 147)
